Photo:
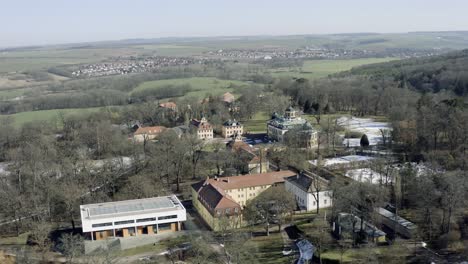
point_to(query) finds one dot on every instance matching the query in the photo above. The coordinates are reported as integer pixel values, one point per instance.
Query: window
(314, 202)
(236, 210)
(228, 210)
(164, 227)
(102, 224)
(167, 217)
(146, 219)
(124, 222)
(325, 201)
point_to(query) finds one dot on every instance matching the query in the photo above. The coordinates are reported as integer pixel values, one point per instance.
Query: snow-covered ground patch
(368, 175)
(388, 172)
(4, 169)
(367, 126)
(122, 162)
(342, 160)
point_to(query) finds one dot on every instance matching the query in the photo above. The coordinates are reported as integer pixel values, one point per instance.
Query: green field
(48, 115)
(44, 58)
(257, 124)
(13, 93)
(313, 69)
(201, 86)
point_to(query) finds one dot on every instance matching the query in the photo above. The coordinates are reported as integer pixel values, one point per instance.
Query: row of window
(227, 211)
(125, 222)
(254, 187)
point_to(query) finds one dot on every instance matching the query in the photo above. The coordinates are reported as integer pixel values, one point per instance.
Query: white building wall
(307, 200)
(87, 224)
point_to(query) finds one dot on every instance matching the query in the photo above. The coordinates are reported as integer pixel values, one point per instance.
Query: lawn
(269, 249)
(201, 86)
(47, 115)
(19, 240)
(257, 124)
(12, 93)
(313, 69)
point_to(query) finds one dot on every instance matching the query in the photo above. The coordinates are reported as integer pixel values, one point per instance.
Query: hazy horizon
(52, 22)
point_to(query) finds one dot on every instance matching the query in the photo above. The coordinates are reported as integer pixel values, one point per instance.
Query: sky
(43, 22)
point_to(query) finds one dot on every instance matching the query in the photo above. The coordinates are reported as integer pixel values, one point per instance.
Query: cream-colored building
(220, 201)
(203, 128)
(232, 128)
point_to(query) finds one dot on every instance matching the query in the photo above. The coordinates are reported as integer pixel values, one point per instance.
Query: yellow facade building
(220, 201)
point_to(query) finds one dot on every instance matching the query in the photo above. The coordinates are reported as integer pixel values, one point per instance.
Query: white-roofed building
(132, 217)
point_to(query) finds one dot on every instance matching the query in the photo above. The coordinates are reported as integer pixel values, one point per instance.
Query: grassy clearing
(257, 124)
(48, 115)
(314, 69)
(269, 249)
(19, 240)
(13, 93)
(201, 86)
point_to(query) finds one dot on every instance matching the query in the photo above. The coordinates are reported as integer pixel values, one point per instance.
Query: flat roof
(400, 220)
(164, 203)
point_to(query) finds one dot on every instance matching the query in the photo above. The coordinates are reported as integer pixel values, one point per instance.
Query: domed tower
(290, 113)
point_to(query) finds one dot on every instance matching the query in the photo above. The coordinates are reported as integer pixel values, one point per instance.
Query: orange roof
(243, 181)
(241, 145)
(228, 97)
(170, 105)
(153, 130)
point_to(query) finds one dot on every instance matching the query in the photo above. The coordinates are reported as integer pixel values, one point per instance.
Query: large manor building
(279, 126)
(220, 201)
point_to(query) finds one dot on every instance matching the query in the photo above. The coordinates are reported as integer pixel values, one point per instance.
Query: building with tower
(278, 126)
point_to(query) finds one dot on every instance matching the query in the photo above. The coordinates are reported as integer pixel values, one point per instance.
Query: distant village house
(169, 105)
(148, 133)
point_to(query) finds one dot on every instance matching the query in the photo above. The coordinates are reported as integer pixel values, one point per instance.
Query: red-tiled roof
(241, 145)
(153, 130)
(170, 105)
(212, 192)
(228, 97)
(243, 181)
